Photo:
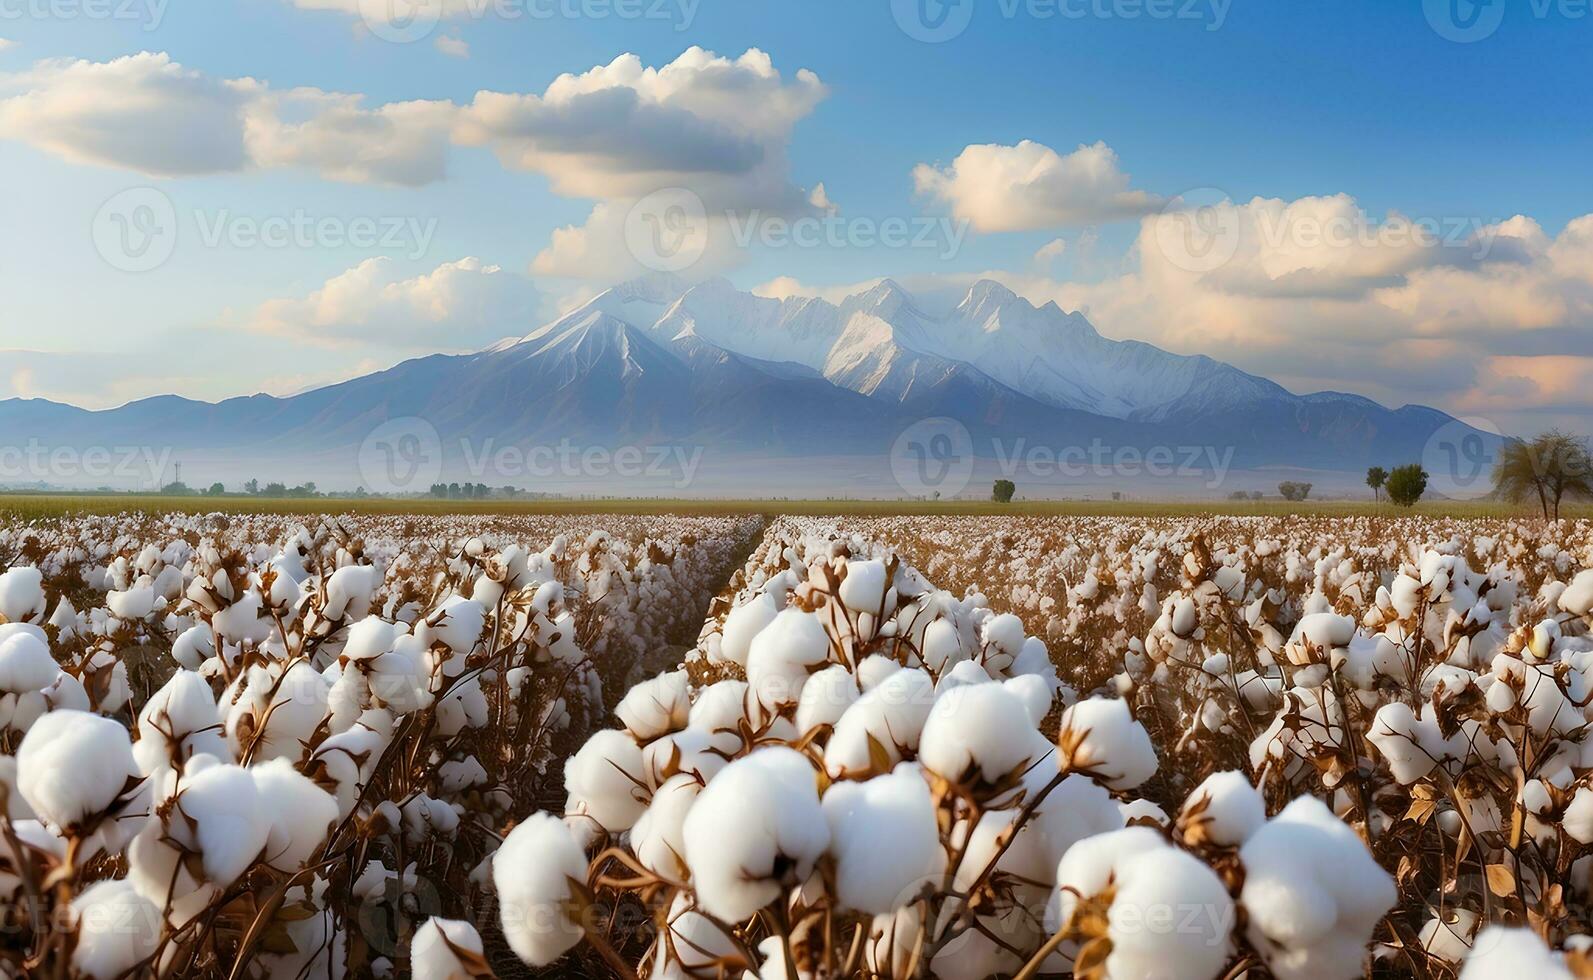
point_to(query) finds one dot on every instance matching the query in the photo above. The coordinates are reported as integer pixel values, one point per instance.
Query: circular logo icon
(667, 231)
(1459, 457)
(402, 455)
(933, 458)
(1198, 231)
(136, 230)
(933, 21)
(401, 21)
(1465, 21)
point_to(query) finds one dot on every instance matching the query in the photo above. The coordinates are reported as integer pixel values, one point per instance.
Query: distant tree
(1295, 491)
(176, 489)
(1375, 478)
(309, 487)
(275, 490)
(1406, 484)
(1257, 495)
(439, 490)
(1551, 467)
(453, 491)
(216, 489)
(252, 487)
(1003, 490)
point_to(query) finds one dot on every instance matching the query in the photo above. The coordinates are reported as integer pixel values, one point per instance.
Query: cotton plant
(326, 698)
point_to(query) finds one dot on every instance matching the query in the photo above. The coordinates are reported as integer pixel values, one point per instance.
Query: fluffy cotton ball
(117, 929)
(605, 780)
(978, 732)
(656, 707)
(72, 765)
(447, 949)
(1100, 737)
(756, 828)
(532, 873)
(1517, 953)
(1313, 893)
(884, 838)
(1224, 810)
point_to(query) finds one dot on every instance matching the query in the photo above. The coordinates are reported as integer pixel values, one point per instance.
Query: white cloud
(459, 306)
(1050, 252)
(1031, 186)
(453, 47)
(7, 44)
(149, 114)
(624, 130)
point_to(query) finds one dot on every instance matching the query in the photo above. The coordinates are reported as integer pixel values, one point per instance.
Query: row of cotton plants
(857, 774)
(248, 747)
(1428, 680)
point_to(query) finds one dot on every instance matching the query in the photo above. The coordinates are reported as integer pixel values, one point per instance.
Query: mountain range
(769, 386)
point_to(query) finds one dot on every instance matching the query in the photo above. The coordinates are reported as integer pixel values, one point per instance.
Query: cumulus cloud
(1466, 315)
(1031, 186)
(453, 47)
(149, 114)
(7, 44)
(459, 305)
(624, 130)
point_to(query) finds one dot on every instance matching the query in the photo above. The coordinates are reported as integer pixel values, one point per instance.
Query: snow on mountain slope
(881, 343)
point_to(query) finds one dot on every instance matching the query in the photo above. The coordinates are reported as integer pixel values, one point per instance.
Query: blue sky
(1334, 111)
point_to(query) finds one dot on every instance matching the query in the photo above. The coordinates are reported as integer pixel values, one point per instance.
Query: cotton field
(1175, 748)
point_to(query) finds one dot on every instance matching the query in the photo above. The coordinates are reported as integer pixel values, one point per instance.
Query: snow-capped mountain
(793, 381)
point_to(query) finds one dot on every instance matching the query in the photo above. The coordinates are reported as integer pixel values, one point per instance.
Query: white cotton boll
(942, 647)
(871, 673)
(1412, 746)
(885, 840)
(756, 829)
(659, 837)
(605, 781)
(656, 707)
(300, 813)
(425, 819)
(1185, 618)
(863, 589)
(1087, 868)
(117, 930)
(1140, 811)
(194, 647)
(272, 718)
(1578, 820)
(1518, 953)
(1225, 810)
(132, 604)
(220, 816)
(964, 673)
(369, 638)
(890, 718)
(693, 946)
(25, 664)
(1313, 893)
(446, 949)
(531, 873)
(22, 594)
(1100, 737)
(245, 621)
(178, 722)
(743, 624)
(1003, 641)
(1449, 936)
(457, 624)
(1577, 599)
(782, 657)
(1034, 692)
(980, 732)
(72, 765)
(825, 698)
(349, 592)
